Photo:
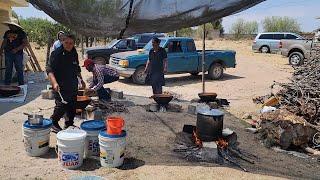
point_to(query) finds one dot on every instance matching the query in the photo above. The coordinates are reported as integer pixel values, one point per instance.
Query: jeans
(17, 61)
(60, 109)
(103, 94)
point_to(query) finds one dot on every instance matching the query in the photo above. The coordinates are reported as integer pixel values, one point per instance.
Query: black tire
(100, 60)
(139, 77)
(194, 73)
(265, 49)
(216, 71)
(296, 59)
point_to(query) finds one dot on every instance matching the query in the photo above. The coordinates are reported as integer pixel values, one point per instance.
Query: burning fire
(222, 143)
(196, 139)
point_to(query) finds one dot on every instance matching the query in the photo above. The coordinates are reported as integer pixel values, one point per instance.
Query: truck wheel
(265, 49)
(216, 71)
(194, 73)
(296, 58)
(139, 77)
(100, 60)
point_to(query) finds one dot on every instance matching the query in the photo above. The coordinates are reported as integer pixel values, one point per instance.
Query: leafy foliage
(281, 24)
(41, 30)
(242, 27)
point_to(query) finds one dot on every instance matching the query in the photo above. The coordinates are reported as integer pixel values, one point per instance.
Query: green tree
(281, 24)
(241, 28)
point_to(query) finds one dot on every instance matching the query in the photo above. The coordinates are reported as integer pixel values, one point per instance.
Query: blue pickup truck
(183, 57)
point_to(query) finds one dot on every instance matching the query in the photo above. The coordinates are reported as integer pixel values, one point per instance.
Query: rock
(117, 94)
(247, 116)
(152, 107)
(47, 94)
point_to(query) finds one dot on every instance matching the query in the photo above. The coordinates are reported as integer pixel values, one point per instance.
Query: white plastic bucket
(71, 148)
(92, 127)
(36, 138)
(112, 149)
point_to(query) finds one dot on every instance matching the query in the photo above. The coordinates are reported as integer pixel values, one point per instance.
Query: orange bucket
(114, 125)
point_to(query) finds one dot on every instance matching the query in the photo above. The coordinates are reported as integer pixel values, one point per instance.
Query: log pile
(302, 95)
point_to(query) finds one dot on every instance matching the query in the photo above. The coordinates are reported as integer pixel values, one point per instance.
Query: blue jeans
(17, 61)
(104, 94)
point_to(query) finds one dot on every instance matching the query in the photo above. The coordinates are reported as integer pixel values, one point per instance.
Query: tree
(281, 24)
(241, 28)
(217, 25)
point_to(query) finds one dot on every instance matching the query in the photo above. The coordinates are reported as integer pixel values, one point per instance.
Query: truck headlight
(124, 63)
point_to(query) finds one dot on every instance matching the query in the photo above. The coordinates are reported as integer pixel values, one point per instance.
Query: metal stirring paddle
(62, 100)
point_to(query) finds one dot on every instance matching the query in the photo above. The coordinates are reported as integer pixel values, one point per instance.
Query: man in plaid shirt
(101, 75)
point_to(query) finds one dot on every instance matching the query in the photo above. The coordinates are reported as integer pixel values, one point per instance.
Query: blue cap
(46, 124)
(104, 133)
(93, 125)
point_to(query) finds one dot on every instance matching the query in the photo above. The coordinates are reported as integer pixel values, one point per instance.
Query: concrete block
(213, 105)
(192, 109)
(174, 107)
(209, 151)
(47, 94)
(117, 94)
(152, 107)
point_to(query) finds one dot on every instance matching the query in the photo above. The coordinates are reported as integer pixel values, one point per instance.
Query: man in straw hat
(14, 41)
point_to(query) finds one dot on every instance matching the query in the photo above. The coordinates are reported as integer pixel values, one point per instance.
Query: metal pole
(203, 57)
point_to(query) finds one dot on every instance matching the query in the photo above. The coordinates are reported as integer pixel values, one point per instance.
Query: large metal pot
(35, 119)
(209, 124)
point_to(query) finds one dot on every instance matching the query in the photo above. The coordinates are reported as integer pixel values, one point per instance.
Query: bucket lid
(212, 112)
(93, 125)
(71, 134)
(45, 124)
(104, 133)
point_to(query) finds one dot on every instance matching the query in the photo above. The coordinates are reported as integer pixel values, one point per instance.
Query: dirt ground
(151, 135)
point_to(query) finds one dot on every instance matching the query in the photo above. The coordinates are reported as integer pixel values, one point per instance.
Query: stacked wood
(302, 95)
(286, 129)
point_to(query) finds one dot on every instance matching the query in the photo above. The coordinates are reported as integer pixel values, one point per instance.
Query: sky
(305, 11)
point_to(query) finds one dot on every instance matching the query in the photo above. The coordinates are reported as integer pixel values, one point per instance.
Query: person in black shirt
(14, 41)
(156, 67)
(63, 71)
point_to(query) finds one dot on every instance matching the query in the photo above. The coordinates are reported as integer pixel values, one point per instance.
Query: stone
(152, 107)
(47, 94)
(247, 116)
(117, 94)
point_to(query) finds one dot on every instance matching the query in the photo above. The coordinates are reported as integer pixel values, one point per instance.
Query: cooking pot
(209, 124)
(35, 119)
(82, 102)
(7, 91)
(207, 97)
(162, 99)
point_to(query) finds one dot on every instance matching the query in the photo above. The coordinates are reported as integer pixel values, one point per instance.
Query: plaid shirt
(99, 71)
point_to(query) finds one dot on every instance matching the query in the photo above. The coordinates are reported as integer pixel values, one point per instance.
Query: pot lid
(45, 124)
(212, 112)
(93, 125)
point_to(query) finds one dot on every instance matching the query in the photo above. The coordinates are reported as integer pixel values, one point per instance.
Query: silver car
(269, 42)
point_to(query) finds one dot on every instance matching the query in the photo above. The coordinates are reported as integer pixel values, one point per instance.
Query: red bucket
(114, 125)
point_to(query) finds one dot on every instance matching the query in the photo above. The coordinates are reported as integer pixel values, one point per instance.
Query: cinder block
(192, 109)
(152, 107)
(117, 94)
(174, 107)
(47, 94)
(209, 151)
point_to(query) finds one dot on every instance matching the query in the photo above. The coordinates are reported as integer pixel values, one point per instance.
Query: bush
(281, 24)
(40, 30)
(241, 28)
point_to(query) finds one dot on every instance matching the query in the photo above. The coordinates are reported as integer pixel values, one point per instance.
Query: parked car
(101, 55)
(143, 39)
(297, 50)
(269, 42)
(183, 57)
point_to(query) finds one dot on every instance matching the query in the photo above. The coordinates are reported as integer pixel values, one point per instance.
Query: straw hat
(11, 23)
